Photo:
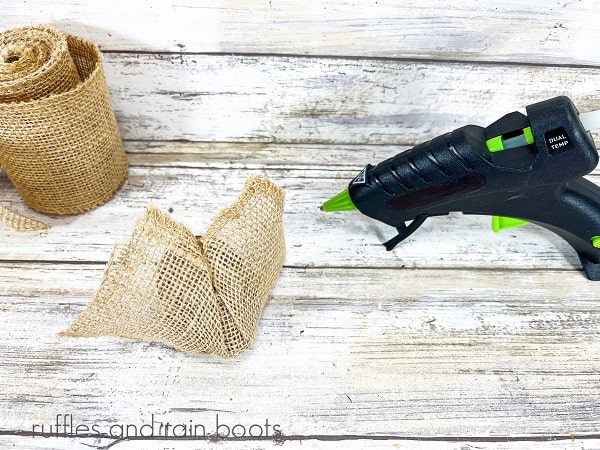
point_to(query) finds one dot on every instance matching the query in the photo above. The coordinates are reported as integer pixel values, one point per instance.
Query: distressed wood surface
(397, 352)
(548, 32)
(324, 100)
(350, 345)
(193, 191)
(305, 442)
(459, 338)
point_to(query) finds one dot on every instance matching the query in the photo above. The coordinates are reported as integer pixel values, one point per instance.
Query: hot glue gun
(520, 169)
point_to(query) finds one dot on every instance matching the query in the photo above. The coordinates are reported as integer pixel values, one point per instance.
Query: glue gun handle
(571, 210)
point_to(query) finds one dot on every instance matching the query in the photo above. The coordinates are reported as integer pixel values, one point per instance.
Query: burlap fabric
(59, 141)
(19, 222)
(199, 295)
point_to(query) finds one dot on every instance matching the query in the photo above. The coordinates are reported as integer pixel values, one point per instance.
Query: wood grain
(411, 352)
(323, 100)
(457, 339)
(193, 192)
(549, 33)
(306, 442)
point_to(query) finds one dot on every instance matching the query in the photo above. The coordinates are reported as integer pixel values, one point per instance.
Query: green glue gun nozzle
(341, 202)
(521, 168)
(502, 223)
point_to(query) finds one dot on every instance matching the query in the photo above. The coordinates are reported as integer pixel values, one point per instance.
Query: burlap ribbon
(199, 295)
(59, 141)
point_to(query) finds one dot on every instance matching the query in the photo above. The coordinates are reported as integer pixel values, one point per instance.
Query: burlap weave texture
(199, 295)
(59, 141)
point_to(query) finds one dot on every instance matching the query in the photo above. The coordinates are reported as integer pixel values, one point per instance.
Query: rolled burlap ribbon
(59, 141)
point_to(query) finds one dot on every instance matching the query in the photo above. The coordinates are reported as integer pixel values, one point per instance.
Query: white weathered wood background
(459, 338)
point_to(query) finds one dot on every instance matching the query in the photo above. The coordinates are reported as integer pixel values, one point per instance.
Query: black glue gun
(521, 168)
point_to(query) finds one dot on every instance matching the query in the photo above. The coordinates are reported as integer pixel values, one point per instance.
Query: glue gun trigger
(405, 231)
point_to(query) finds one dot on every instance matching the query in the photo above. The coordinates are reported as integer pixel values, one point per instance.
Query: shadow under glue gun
(519, 169)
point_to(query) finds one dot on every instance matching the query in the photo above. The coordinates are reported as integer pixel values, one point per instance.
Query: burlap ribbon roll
(199, 295)
(59, 141)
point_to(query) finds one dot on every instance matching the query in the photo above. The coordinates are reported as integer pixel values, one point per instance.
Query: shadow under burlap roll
(59, 140)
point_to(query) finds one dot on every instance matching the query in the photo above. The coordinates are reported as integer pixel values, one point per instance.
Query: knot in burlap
(199, 295)
(59, 141)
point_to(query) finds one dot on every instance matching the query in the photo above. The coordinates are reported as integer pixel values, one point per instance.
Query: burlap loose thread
(59, 140)
(198, 295)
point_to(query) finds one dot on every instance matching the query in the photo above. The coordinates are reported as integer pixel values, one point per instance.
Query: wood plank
(260, 156)
(302, 442)
(519, 31)
(405, 353)
(32, 282)
(458, 338)
(227, 98)
(314, 238)
(257, 155)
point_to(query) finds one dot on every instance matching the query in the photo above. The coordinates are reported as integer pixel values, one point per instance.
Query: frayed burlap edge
(19, 222)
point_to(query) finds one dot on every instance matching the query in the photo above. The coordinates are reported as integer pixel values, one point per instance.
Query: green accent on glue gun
(495, 144)
(499, 143)
(341, 202)
(502, 223)
(528, 135)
